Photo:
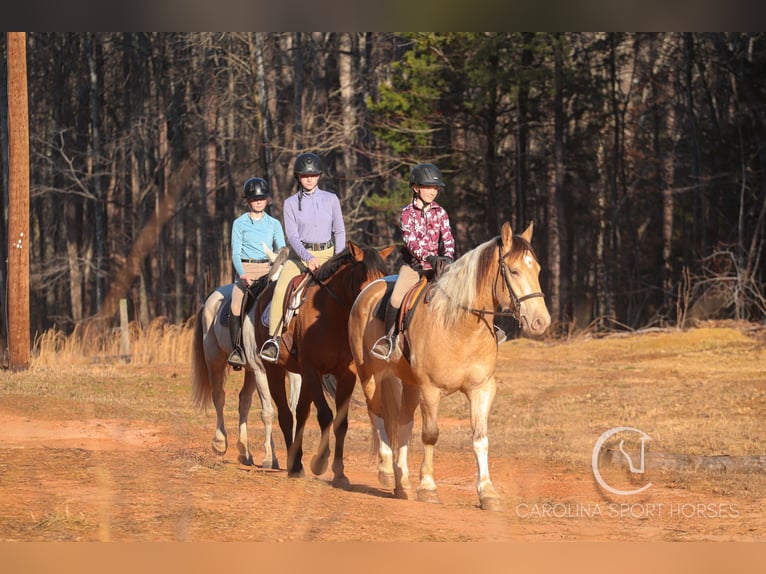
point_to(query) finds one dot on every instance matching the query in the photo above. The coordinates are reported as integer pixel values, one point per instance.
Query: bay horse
(211, 346)
(449, 345)
(319, 334)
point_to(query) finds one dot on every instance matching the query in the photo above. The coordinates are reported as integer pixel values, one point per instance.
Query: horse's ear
(528, 232)
(506, 234)
(386, 251)
(356, 252)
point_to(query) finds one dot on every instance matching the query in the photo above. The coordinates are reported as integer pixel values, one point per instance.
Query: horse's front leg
(481, 399)
(429, 407)
(220, 441)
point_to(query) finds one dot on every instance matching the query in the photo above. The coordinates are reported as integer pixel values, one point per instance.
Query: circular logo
(634, 469)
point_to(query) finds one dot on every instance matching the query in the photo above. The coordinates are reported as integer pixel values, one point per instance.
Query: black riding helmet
(308, 164)
(256, 188)
(425, 174)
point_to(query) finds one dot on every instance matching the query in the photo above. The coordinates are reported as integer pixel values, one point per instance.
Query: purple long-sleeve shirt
(318, 220)
(422, 229)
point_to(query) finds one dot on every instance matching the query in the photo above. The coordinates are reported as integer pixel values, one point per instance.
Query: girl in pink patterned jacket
(427, 237)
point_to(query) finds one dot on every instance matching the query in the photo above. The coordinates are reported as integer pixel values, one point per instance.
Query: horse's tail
(201, 388)
(391, 394)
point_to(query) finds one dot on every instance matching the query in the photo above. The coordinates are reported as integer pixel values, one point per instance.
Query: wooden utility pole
(18, 203)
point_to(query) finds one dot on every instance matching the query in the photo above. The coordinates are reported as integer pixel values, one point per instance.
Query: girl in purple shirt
(315, 232)
(427, 235)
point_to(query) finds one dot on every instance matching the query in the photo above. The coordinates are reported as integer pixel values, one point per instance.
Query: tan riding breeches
(254, 271)
(293, 267)
(407, 278)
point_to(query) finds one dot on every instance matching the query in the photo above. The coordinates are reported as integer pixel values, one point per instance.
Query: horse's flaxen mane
(458, 286)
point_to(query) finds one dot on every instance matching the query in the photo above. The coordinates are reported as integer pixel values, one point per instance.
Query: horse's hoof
(401, 494)
(341, 481)
(493, 503)
(296, 474)
(428, 495)
(319, 465)
(386, 479)
(246, 460)
(219, 447)
(270, 464)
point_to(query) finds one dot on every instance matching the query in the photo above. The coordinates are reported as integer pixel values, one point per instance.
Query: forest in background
(639, 157)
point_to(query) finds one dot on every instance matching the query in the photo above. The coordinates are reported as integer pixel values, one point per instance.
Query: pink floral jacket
(422, 230)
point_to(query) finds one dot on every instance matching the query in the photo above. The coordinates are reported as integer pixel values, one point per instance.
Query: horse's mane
(456, 289)
(372, 262)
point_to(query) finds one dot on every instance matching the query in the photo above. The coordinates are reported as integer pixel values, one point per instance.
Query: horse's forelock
(373, 263)
(521, 247)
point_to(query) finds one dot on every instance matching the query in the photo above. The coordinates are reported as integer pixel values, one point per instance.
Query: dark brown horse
(319, 333)
(449, 345)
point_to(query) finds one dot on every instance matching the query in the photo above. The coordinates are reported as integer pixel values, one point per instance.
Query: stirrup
(270, 350)
(500, 335)
(236, 360)
(381, 354)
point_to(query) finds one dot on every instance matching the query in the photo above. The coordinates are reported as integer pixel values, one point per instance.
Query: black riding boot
(384, 346)
(237, 356)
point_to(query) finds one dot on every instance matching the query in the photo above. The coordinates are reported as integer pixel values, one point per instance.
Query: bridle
(517, 301)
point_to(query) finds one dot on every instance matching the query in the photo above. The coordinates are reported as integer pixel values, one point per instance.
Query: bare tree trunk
(145, 242)
(559, 204)
(522, 132)
(18, 203)
(346, 77)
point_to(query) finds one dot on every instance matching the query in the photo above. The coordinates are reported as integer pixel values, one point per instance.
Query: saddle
(412, 298)
(294, 297)
(248, 301)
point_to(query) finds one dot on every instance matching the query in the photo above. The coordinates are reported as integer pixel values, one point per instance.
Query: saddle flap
(294, 292)
(410, 302)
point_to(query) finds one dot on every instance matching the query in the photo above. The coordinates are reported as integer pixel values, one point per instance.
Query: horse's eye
(514, 271)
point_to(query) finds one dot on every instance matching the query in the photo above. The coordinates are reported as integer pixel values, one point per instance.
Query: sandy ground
(69, 477)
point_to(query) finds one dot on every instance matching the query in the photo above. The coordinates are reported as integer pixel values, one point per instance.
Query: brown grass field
(94, 448)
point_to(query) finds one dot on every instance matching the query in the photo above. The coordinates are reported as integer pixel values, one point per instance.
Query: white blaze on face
(528, 259)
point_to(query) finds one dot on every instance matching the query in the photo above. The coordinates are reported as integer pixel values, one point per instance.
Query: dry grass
(159, 343)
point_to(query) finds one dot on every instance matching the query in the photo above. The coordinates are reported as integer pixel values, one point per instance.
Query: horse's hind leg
(344, 390)
(267, 417)
(324, 417)
(220, 442)
(481, 399)
(245, 402)
(410, 396)
(295, 451)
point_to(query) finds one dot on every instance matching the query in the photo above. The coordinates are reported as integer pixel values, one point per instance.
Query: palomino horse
(449, 345)
(319, 332)
(210, 350)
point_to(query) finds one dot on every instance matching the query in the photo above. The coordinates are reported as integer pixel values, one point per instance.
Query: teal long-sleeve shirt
(248, 236)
